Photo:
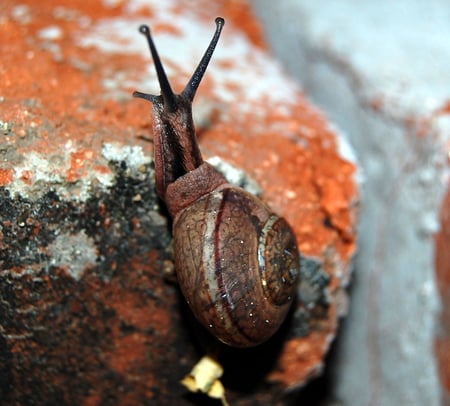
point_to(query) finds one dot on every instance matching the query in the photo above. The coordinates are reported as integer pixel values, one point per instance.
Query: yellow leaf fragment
(204, 377)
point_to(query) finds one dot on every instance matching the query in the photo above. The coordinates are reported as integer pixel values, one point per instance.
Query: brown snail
(237, 263)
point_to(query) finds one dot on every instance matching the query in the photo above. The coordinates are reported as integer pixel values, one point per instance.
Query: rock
(90, 312)
(380, 70)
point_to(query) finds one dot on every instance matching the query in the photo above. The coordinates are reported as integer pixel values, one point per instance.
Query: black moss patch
(122, 222)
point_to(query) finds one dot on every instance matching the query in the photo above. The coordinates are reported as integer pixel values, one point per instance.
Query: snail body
(237, 262)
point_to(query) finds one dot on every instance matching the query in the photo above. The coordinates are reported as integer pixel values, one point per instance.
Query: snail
(237, 263)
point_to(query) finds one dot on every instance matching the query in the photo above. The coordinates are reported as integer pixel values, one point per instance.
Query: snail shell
(237, 262)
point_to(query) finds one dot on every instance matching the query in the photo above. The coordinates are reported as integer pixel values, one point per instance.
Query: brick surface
(90, 311)
(380, 69)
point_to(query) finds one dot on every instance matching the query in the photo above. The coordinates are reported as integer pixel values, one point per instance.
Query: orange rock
(90, 314)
